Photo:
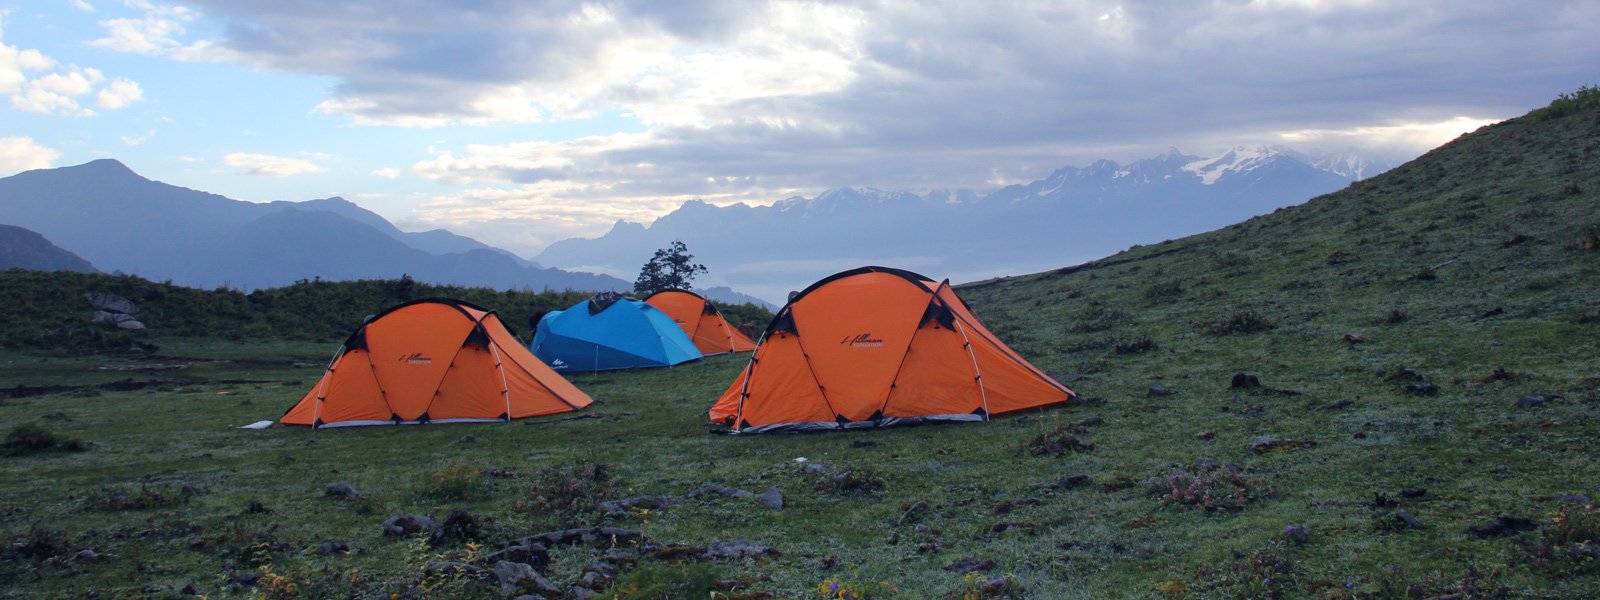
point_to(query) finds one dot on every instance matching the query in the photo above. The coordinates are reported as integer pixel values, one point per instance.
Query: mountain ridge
(1073, 214)
(122, 221)
(22, 248)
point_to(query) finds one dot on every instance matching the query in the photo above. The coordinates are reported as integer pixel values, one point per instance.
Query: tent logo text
(558, 364)
(863, 340)
(416, 358)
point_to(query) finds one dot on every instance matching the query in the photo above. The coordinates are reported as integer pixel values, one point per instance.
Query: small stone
(812, 468)
(1421, 389)
(1266, 443)
(1408, 374)
(467, 439)
(1075, 480)
(458, 525)
(1536, 400)
(517, 577)
(1351, 338)
(1409, 521)
(1158, 390)
(1243, 380)
(245, 578)
(720, 490)
(87, 555)
(342, 489)
(256, 507)
(771, 498)
(407, 525)
(1341, 404)
(736, 549)
(1503, 526)
(863, 444)
(333, 547)
(969, 565)
(1092, 422)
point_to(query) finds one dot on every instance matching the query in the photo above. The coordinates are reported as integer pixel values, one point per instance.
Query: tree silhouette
(671, 268)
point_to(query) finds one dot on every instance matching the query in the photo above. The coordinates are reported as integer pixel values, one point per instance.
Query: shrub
(1230, 260)
(143, 498)
(569, 489)
(1571, 545)
(1097, 317)
(1393, 317)
(456, 482)
(980, 586)
(39, 544)
(1217, 490)
(30, 438)
(849, 480)
(840, 589)
(1267, 572)
(1247, 321)
(1163, 291)
(1397, 583)
(1057, 441)
(1134, 346)
(656, 580)
(1565, 104)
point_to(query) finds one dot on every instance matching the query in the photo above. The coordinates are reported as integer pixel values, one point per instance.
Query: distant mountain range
(25, 249)
(1075, 214)
(120, 221)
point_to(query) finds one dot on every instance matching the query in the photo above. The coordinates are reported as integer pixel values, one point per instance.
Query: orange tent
(433, 361)
(876, 346)
(700, 319)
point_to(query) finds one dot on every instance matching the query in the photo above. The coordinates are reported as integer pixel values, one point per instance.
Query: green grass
(1274, 297)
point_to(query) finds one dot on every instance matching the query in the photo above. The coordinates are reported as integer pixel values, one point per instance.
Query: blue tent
(608, 332)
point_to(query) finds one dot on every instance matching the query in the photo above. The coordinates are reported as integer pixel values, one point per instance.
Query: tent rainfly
(700, 319)
(610, 332)
(873, 347)
(433, 361)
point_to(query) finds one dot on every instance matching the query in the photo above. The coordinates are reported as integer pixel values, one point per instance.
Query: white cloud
(119, 93)
(158, 32)
(58, 93)
(134, 140)
(271, 166)
(59, 90)
(387, 173)
(22, 154)
(81, 5)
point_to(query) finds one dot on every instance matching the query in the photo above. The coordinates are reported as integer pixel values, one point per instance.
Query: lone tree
(671, 268)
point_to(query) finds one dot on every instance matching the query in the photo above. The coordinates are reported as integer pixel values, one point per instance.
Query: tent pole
(505, 388)
(982, 391)
(322, 386)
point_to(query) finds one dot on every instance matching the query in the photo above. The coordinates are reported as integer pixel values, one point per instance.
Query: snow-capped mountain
(1072, 215)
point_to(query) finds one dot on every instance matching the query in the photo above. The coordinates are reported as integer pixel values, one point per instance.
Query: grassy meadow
(1416, 418)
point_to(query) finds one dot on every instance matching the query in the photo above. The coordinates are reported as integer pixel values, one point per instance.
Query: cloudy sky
(525, 122)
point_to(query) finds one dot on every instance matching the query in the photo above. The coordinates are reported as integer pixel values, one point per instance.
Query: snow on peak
(1237, 160)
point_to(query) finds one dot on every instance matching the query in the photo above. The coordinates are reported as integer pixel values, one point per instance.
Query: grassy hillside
(1422, 424)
